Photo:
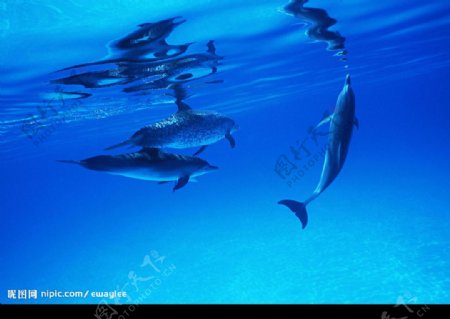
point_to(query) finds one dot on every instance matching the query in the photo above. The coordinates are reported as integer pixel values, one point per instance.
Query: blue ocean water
(69, 88)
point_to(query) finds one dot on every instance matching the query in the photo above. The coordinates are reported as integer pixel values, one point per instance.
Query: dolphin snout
(347, 79)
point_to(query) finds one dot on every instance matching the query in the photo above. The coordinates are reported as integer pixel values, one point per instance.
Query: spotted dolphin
(341, 127)
(184, 129)
(149, 164)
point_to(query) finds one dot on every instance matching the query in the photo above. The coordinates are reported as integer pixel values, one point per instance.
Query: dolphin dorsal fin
(211, 47)
(151, 151)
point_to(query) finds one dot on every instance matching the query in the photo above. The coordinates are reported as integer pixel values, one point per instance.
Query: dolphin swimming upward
(184, 129)
(341, 128)
(149, 164)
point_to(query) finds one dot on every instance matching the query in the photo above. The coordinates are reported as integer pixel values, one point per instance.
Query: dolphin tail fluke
(124, 143)
(298, 208)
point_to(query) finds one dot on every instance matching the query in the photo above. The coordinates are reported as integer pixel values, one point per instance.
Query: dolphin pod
(340, 132)
(142, 62)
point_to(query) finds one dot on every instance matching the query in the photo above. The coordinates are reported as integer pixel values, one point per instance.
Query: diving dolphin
(149, 164)
(184, 129)
(340, 133)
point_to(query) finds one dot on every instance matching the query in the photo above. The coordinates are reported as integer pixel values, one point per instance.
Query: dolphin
(170, 72)
(147, 43)
(184, 129)
(149, 164)
(341, 127)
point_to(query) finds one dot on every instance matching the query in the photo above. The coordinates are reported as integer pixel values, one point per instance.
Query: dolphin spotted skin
(341, 127)
(184, 129)
(149, 164)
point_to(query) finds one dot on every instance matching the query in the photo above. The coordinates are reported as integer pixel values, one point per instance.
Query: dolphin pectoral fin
(356, 122)
(201, 149)
(313, 129)
(324, 121)
(182, 181)
(163, 182)
(230, 139)
(298, 208)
